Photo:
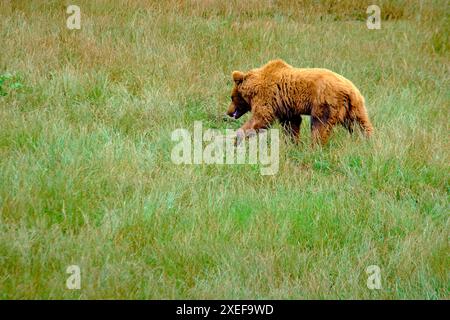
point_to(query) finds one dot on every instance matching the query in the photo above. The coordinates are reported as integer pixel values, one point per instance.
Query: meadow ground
(86, 176)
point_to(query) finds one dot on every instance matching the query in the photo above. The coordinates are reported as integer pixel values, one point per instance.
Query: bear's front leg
(250, 128)
(292, 127)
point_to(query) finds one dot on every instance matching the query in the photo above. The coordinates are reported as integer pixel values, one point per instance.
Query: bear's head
(239, 104)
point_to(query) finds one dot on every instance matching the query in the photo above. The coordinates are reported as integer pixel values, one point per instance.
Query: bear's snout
(234, 112)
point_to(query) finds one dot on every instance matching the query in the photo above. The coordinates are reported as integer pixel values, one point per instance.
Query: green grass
(86, 176)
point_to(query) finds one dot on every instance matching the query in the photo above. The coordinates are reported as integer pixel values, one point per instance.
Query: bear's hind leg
(323, 119)
(361, 116)
(320, 130)
(348, 124)
(365, 124)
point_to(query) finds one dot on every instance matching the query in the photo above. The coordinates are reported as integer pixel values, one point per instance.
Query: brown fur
(280, 91)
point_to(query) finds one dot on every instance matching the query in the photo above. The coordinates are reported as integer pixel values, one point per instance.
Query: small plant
(8, 81)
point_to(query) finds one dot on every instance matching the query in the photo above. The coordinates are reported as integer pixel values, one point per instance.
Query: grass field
(86, 176)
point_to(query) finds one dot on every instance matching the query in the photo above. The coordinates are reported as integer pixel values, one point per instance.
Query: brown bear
(280, 91)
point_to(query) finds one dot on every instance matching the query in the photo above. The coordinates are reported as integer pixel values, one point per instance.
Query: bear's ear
(238, 77)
